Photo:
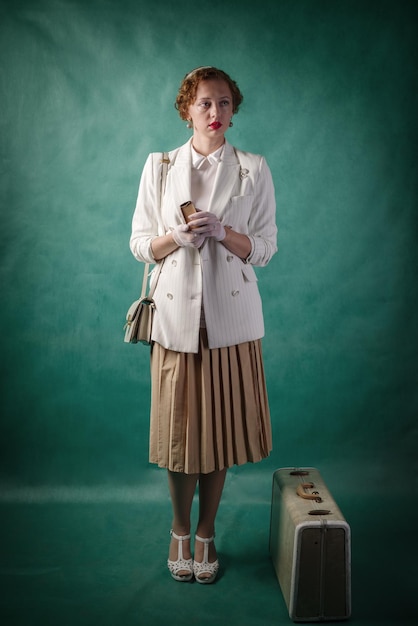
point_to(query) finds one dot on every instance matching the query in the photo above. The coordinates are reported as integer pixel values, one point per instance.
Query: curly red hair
(187, 91)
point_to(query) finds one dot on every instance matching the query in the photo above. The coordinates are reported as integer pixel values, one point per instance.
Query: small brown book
(187, 208)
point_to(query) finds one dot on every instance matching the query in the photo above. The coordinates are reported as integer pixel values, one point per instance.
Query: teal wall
(87, 90)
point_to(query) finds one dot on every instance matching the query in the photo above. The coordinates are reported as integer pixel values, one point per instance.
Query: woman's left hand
(207, 224)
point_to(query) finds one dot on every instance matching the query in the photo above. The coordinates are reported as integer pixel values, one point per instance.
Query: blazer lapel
(179, 177)
(227, 180)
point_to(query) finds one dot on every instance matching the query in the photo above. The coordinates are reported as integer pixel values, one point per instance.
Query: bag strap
(144, 281)
(165, 161)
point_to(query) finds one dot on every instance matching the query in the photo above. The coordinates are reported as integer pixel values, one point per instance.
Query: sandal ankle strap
(179, 537)
(203, 540)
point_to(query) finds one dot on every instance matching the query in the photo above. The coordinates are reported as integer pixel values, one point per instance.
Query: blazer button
(174, 263)
(170, 296)
(229, 258)
(235, 292)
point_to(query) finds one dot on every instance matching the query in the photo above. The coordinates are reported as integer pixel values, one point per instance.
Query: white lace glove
(185, 238)
(207, 224)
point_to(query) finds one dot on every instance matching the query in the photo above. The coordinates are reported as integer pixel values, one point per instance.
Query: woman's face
(212, 109)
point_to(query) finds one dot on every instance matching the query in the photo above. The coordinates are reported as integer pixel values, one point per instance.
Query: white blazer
(243, 198)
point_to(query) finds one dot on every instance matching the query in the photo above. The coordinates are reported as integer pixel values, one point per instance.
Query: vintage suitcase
(310, 547)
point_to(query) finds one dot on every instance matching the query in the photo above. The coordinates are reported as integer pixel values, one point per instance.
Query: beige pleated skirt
(209, 410)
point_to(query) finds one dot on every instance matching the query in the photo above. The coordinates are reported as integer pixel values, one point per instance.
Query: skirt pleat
(209, 410)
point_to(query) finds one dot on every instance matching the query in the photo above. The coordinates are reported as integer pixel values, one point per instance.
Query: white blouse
(203, 176)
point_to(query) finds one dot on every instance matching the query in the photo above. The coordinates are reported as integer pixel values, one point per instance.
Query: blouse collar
(213, 158)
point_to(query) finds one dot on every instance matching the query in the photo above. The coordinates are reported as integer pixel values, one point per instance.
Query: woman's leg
(210, 493)
(182, 489)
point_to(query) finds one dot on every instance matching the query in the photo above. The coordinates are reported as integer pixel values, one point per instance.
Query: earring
(189, 124)
(230, 124)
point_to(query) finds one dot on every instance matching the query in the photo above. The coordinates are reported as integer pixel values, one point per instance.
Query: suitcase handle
(308, 496)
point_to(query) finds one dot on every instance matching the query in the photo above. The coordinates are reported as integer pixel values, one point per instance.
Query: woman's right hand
(185, 238)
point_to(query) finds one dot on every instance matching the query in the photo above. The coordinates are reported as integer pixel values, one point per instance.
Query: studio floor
(86, 556)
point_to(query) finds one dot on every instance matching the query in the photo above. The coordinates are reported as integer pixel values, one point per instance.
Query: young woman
(209, 407)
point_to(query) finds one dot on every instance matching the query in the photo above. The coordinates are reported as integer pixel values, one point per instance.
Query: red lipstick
(215, 125)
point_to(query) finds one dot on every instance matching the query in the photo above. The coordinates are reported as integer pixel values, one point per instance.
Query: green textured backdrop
(330, 99)
(87, 90)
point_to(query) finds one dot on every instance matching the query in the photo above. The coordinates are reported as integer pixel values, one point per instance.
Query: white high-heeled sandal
(205, 567)
(182, 564)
